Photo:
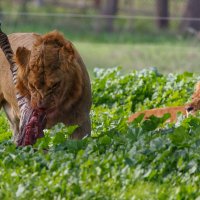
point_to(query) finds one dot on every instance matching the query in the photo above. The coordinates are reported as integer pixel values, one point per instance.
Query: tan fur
(159, 112)
(189, 108)
(52, 75)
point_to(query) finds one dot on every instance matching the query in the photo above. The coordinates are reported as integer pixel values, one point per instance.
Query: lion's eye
(55, 85)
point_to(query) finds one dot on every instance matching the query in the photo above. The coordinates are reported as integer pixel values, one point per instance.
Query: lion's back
(6, 85)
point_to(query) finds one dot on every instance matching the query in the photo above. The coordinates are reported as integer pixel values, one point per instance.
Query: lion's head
(194, 105)
(49, 74)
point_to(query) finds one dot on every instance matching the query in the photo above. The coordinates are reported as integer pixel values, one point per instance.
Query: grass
(139, 160)
(142, 48)
(167, 52)
(167, 57)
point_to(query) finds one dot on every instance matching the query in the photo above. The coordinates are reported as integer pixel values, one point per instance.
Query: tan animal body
(188, 109)
(159, 112)
(52, 75)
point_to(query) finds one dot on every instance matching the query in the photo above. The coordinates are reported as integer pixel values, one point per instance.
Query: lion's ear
(66, 54)
(22, 56)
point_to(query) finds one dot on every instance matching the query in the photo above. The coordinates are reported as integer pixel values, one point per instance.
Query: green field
(144, 46)
(121, 161)
(168, 57)
(170, 53)
(139, 160)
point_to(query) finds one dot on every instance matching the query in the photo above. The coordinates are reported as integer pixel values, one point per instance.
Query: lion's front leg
(83, 130)
(13, 120)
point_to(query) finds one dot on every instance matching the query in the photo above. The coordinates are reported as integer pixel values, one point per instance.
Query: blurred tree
(108, 10)
(192, 10)
(39, 3)
(162, 7)
(24, 7)
(1, 16)
(97, 4)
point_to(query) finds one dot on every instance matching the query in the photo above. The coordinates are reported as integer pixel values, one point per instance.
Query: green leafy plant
(144, 159)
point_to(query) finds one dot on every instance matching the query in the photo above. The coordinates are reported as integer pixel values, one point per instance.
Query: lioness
(52, 75)
(187, 109)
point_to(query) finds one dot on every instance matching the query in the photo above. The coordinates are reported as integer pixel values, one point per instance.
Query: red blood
(34, 128)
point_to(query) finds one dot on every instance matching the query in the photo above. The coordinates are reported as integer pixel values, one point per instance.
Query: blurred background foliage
(134, 34)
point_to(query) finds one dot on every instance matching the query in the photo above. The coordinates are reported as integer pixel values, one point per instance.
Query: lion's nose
(41, 105)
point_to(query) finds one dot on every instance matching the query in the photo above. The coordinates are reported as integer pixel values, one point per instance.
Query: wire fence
(95, 16)
(74, 24)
